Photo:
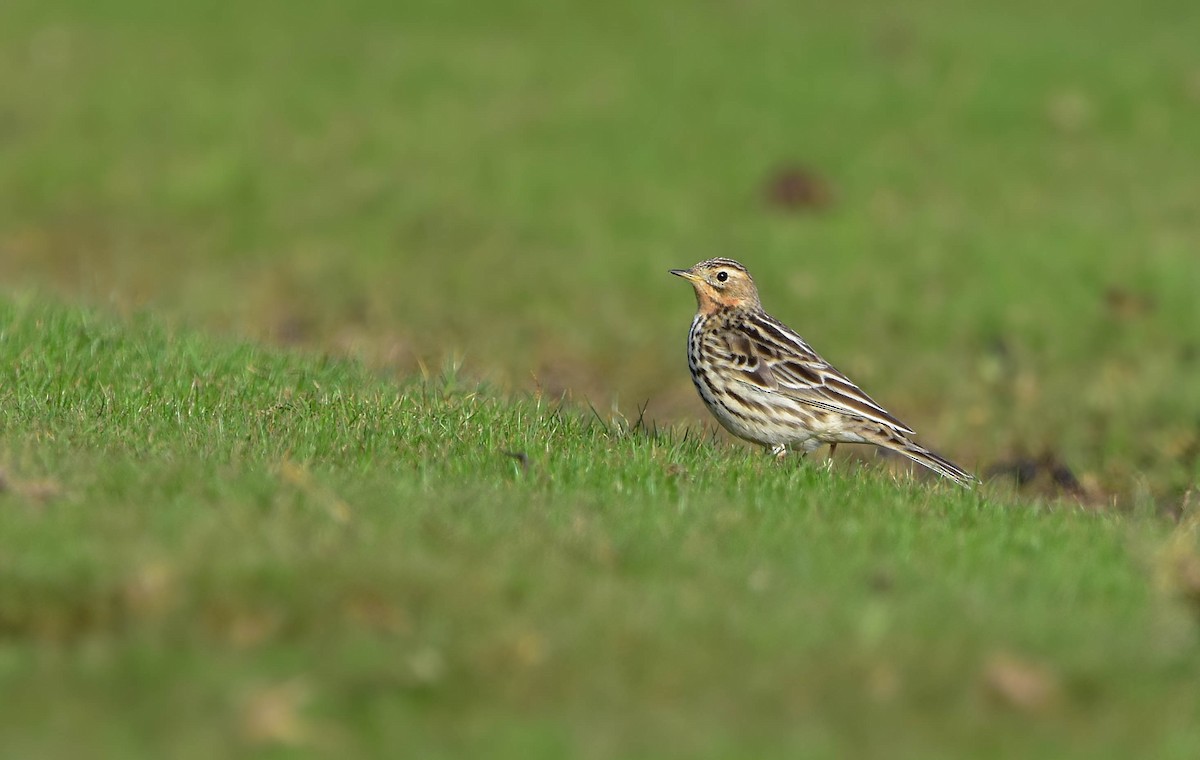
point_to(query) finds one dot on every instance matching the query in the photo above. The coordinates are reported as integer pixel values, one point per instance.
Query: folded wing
(771, 356)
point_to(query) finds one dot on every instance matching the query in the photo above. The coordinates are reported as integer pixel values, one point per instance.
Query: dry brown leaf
(1018, 683)
(272, 714)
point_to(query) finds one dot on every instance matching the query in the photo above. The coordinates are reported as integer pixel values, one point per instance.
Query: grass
(1007, 261)
(210, 547)
(243, 511)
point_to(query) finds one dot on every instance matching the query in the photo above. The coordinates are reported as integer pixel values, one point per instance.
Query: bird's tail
(936, 462)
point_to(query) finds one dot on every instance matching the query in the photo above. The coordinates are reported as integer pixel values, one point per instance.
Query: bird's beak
(684, 273)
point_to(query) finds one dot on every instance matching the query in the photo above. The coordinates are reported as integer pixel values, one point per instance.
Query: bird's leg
(829, 459)
(779, 451)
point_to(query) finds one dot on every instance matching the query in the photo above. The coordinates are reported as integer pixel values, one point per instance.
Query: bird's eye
(722, 276)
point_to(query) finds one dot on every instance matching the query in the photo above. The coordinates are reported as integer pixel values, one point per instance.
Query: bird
(765, 384)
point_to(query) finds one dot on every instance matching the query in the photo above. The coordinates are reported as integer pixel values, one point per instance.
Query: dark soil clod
(797, 189)
(521, 457)
(1048, 469)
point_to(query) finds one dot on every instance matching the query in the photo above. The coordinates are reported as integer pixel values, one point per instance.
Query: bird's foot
(829, 459)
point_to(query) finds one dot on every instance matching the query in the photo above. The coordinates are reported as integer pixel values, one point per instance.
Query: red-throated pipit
(765, 384)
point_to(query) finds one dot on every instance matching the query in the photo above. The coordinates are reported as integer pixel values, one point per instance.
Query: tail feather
(936, 462)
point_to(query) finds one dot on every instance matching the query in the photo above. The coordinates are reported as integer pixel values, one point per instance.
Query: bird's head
(721, 284)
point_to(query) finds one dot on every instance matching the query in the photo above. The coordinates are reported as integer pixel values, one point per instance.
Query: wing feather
(771, 356)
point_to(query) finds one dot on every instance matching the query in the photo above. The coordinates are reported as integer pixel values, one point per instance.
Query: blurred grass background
(1005, 251)
(986, 214)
